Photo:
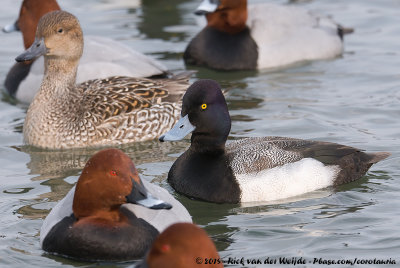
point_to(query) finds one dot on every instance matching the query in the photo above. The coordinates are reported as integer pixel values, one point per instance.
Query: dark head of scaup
(246, 169)
(100, 228)
(205, 113)
(226, 42)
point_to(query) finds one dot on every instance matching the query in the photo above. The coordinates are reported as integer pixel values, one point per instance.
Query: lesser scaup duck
(102, 57)
(107, 111)
(260, 36)
(95, 222)
(182, 245)
(252, 169)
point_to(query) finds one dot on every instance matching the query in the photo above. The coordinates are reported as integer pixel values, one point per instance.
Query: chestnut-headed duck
(97, 112)
(258, 36)
(102, 57)
(182, 245)
(111, 214)
(252, 169)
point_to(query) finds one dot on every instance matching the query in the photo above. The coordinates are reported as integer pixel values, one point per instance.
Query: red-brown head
(108, 181)
(228, 16)
(183, 245)
(30, 13)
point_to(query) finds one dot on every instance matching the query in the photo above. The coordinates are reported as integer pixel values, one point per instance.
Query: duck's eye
(60, 30)
(204, 106)
(113, 173)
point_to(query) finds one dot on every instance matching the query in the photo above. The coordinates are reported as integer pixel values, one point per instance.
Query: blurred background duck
(102, 57)
(98, 112)
(257, 36)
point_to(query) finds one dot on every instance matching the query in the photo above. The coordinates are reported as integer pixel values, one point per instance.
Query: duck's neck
(207, 144)
(60, 74)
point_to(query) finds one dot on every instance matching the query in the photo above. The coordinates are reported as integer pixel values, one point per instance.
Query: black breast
(222, 51)
(106, 243)
(15, 76)
(204, 176)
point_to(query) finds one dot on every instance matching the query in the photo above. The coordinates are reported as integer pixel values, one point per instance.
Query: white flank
(60, 211)
(286, 181)
(289, 34)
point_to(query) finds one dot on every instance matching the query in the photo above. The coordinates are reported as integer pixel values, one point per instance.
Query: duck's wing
(161, 218)
(126, 109)
(103, 57)
(257, 154)
(119, 94)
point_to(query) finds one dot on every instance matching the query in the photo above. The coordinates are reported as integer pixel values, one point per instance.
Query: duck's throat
(59, 73)
(207, 143)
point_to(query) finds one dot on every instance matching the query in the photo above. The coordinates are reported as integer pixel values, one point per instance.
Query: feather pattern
(259, 153)
(105, 111)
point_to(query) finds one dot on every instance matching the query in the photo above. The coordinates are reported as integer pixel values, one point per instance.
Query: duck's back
(114, 58)
(288, 34)
(102, 57)
(270, 168)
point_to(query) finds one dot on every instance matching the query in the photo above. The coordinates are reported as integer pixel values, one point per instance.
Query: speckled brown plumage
(97, 112)
(104, 111)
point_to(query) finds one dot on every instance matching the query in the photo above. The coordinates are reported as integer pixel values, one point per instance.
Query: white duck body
(288, 34)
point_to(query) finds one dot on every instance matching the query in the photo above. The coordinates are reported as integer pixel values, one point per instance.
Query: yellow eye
(204, 106)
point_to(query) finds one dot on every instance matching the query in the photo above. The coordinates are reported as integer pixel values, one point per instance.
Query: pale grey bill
(179, 130)
(154, 203)
(207, 6)
(10, 28)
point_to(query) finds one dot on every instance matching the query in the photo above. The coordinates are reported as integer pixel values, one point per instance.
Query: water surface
(353, 99)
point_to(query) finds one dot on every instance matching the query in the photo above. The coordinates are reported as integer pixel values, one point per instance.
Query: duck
(252, 169)
(97, 112)
(182, 245)
(111, 214)
(102, 57)
(261, 36)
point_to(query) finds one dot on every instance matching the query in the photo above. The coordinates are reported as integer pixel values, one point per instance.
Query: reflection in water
(211, 217)
(49, 164)
(158, 14)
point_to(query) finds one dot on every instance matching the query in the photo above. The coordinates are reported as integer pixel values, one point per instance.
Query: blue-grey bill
(207, 6)
(179, 130)
(37, 49)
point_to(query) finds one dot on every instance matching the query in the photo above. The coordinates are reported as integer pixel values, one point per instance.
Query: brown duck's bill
(140, 196)
(37, 49)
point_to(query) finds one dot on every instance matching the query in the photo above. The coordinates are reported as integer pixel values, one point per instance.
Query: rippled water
(352, 100)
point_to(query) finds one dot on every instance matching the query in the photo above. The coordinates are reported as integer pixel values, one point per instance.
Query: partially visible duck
(94, 220)
(182, 245)
(252, 169)
(107, 111)
(102, 57)
(241, 37)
